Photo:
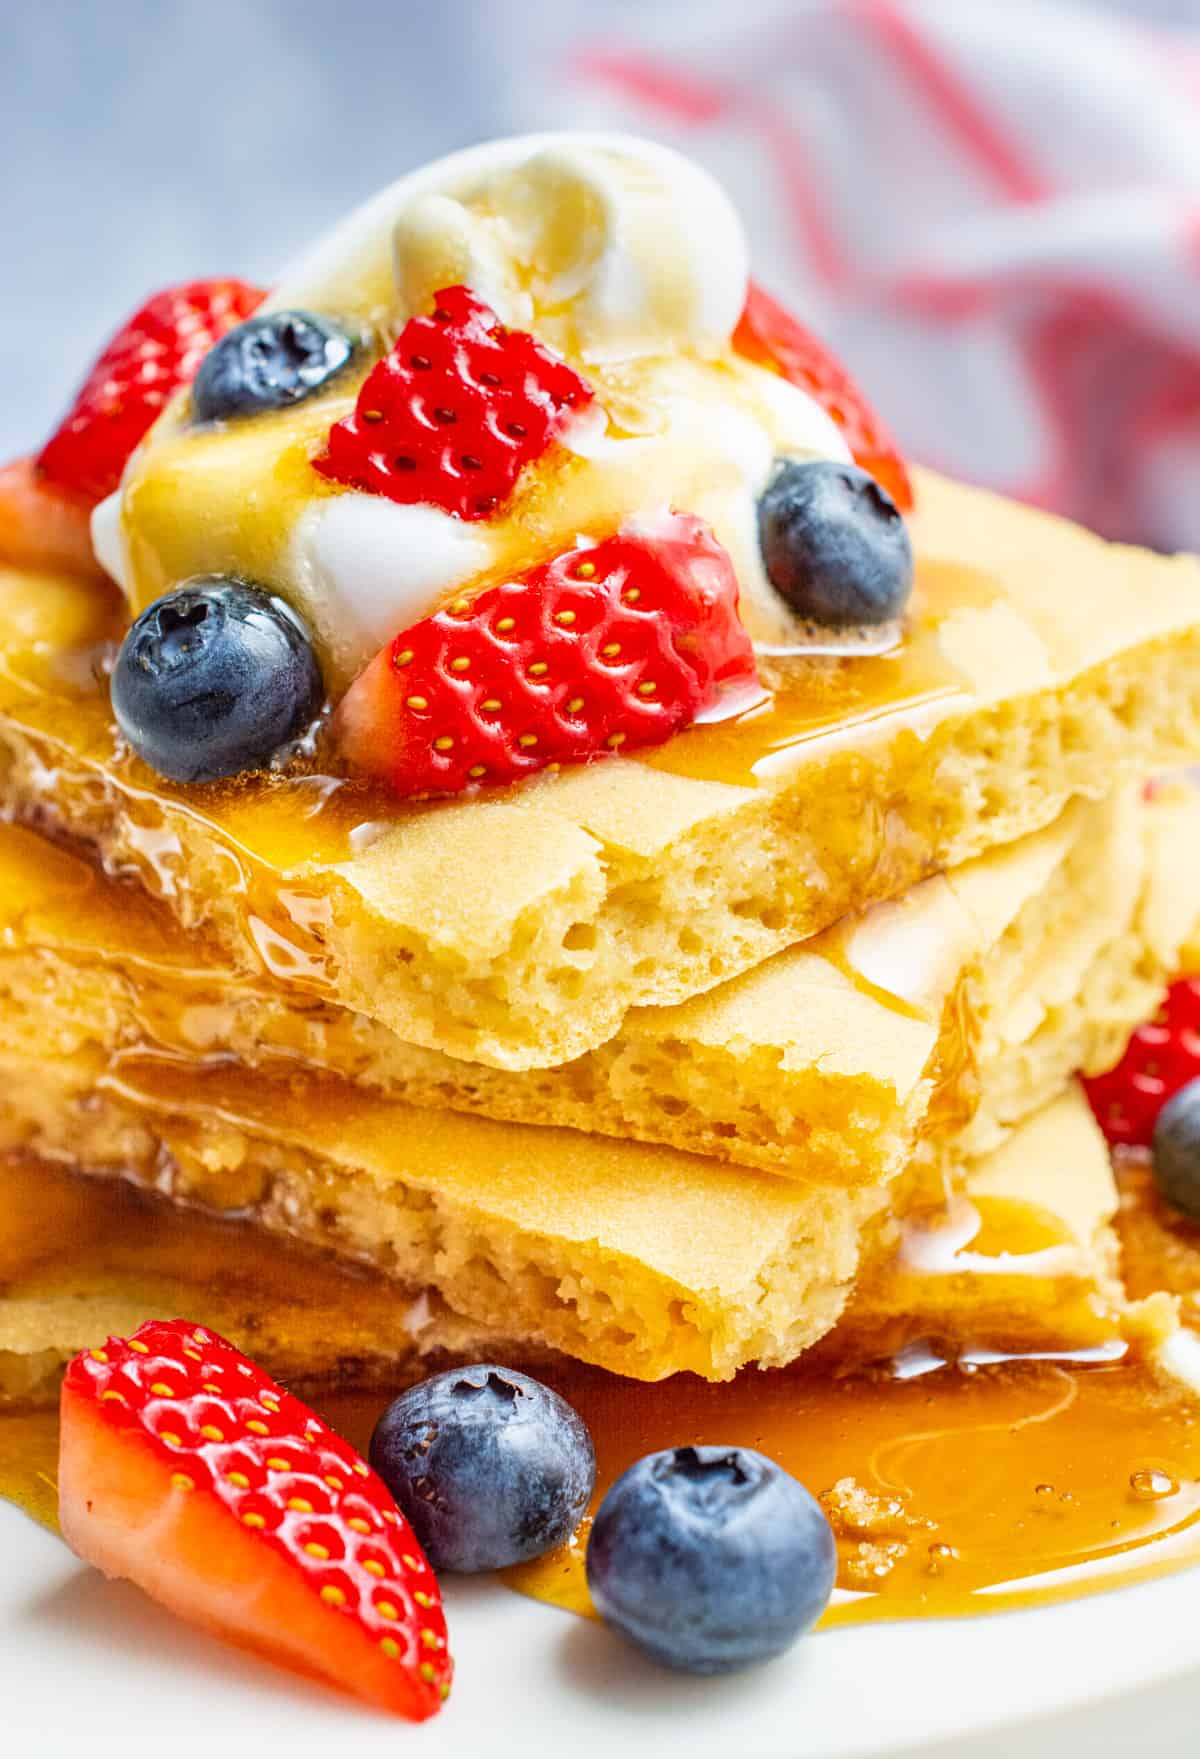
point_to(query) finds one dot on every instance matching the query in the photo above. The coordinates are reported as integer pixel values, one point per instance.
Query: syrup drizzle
(270, 846)
(832, 698)
(954, 1488)
(260, 867)
(71, 1246)
(303, 820)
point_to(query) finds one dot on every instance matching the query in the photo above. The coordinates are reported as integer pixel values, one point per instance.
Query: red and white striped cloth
(991, 208)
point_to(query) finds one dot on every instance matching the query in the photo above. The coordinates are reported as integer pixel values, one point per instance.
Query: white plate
(92, 1669)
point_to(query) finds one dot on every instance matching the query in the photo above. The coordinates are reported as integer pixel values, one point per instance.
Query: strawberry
(456, 410)
(1160, 1058)
(39, 526)
(148, 359)
(608, 647)
(185, 1469)
(769, 335)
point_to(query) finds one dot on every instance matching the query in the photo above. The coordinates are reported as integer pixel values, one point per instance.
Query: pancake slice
(518, 929)
(634, 1256)
(1025, 1258)
(961, 1006)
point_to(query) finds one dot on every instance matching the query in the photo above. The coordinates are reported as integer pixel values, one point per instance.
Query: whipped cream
(619, 254)
(626, 243)
(366, 567)
(108, 539)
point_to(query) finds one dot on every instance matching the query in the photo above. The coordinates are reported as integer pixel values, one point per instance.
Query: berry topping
(213, 679)
(604, 649)
(491, 1468)
(710, 1559)
(185, 1469)
(148, 359)
(269, 362)
(766, 333)
(454, 413)
(1160, 1058)
(40, 526)
(1177, 1150)
(833, 543)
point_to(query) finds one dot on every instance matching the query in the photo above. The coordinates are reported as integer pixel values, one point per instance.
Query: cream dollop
(366, 568)
(626, 243)
(621, 255)
(108, 540)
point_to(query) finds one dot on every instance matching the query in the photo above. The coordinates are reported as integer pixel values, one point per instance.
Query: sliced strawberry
(148, 359)
(768, 334)
(187, 1470)
(606, 648)
(454, 413)
(1160, 1058)
(39, 526)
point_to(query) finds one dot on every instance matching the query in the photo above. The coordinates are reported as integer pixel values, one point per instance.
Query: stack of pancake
(761, 1046)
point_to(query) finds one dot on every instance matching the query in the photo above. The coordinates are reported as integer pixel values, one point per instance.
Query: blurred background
(990, 207)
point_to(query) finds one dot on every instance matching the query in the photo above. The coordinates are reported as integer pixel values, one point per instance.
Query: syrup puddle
(955, 1487)
(968, 1488)
(964, 1489)
(29, 1464)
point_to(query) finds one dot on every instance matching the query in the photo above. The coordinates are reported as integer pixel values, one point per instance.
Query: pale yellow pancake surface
(518, 929)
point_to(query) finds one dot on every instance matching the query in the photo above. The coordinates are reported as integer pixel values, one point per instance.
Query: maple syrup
(275, 838)
(29, 1463)
(954, 1488)
(270, 833)
(966, 1488)
(1160, 1248)
(837, 698)
(71, 1246)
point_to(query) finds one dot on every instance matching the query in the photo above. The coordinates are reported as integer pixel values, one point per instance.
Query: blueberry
(213, 679)
(834, 544)
(710, 1558)
(491, 1468)
(1177, 1150)
(269, 362)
